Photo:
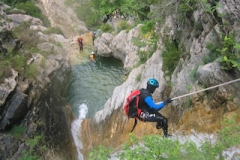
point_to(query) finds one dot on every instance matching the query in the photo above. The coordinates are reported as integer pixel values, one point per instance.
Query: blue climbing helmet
(152, 82)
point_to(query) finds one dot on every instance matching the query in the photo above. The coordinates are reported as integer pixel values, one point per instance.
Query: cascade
(76, 129)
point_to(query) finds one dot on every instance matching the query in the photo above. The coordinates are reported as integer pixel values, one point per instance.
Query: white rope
(185, 95)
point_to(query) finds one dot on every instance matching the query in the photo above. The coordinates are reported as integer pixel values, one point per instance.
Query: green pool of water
(93, 83)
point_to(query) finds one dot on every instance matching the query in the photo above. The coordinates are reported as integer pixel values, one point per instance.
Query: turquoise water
(93, 83)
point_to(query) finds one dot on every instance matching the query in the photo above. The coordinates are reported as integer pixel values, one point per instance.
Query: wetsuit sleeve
(152, 104)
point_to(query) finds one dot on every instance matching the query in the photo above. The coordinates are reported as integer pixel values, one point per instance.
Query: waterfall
(76, 129)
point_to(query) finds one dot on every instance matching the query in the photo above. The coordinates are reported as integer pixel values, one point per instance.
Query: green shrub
(230, 57)
(30, 8)
(53, 30)
(12, 60)
(29, 156)
(45, 20)
(226, 52)
(17, 131)
(228, 136)
(18, 62)
(171, 56)
(147, 27)
(143, 56)
(31, 71)
(85, 12)
(26, 35)
(69, 3)
(26, 6)
(213, 55)
(122, 25)
(186, 8)
(5, 66)
(148, 41)
(14, 11)
(13, 2)
(193, 73)
(100, 152)
(106, 27)
(138, 78)
(34, 141)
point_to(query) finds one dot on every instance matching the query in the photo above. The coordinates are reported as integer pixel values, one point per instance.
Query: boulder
(120, 47)
(17, 19)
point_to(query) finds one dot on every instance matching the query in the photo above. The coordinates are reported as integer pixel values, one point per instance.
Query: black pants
(154, 116)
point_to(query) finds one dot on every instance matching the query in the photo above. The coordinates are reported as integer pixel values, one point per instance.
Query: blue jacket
(146, 102)
(152, 104)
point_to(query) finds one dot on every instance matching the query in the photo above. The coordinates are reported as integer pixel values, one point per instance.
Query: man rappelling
(140, 105)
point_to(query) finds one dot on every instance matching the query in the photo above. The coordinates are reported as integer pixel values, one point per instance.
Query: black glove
(168, 100)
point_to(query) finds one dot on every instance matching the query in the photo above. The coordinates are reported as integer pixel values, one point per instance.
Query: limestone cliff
(63, 17)
(201, 112)
(34, 118)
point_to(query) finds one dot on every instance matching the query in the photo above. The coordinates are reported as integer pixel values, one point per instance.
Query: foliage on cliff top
(30, 8)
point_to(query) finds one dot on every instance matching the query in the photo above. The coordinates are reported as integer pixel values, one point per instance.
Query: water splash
(76, 129)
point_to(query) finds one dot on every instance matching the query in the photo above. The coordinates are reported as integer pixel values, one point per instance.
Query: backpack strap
(135, 123)
(139, 112)
(138, 109)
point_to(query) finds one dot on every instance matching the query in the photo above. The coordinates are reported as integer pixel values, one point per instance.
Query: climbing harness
(185, 95)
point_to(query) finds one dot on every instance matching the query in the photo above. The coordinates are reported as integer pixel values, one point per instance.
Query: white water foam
(76, 129)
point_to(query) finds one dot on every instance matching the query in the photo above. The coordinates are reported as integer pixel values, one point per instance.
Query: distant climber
(80, 42)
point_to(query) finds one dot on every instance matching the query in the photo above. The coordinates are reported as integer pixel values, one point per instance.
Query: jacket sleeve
(152, 104)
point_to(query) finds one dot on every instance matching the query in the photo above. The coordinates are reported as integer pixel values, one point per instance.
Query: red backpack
(131, 106)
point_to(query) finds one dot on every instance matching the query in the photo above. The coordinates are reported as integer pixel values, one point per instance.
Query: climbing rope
(222, 84)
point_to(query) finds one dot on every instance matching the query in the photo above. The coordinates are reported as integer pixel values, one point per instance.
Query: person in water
(92, 57)
(149, 109)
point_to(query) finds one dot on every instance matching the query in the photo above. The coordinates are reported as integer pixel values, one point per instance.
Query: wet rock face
(14, 111)
(7, 93)
(11, 147)
(34, 104)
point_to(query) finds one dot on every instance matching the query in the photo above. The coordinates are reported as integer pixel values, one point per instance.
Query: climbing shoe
(165, 132)
(167, 135)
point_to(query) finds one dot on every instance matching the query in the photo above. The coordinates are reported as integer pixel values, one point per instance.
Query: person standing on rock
(80, 42)
(149, 109)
